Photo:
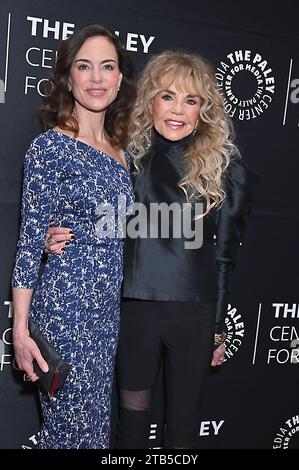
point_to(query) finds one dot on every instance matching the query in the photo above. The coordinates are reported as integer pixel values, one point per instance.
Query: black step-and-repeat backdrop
(252, 401)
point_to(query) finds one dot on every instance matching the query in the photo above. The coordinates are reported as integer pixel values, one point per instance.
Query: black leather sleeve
(240, 186)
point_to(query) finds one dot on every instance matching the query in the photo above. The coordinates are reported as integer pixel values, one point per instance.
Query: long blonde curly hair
(212, 147)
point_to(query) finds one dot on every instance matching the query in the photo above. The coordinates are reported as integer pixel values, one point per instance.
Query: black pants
(181, 333)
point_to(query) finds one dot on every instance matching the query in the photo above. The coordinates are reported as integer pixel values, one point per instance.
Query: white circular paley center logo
(287, 437)
(235, 330)
(246, 81)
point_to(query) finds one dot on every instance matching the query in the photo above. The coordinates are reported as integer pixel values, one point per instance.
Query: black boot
(133, 429)
(181, 439)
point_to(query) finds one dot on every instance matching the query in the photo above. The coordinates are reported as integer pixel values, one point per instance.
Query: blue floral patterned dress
(76, 302)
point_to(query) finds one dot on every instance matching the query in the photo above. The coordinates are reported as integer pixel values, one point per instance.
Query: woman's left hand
(218, 356)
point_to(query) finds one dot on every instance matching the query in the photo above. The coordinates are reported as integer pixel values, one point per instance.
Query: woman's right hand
(25, 351)
(57, 239)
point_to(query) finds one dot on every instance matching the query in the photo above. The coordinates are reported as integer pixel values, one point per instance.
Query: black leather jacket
(162, 268)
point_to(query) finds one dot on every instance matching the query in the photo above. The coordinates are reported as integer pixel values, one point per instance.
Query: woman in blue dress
(77, 174)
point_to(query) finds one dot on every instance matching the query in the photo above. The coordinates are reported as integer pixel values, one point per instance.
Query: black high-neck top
(163, 268)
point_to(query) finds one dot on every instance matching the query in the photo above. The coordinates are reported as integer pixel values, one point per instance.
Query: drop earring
(149, 139)
(195, 128)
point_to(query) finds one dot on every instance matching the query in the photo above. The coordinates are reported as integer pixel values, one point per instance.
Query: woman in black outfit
(175, 288)
(175, 295)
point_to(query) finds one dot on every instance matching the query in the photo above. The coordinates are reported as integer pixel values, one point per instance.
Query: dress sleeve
(241, 186)
(39, 184)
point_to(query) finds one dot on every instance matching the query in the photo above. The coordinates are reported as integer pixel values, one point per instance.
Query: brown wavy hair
(57, 109)
(212, 147)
